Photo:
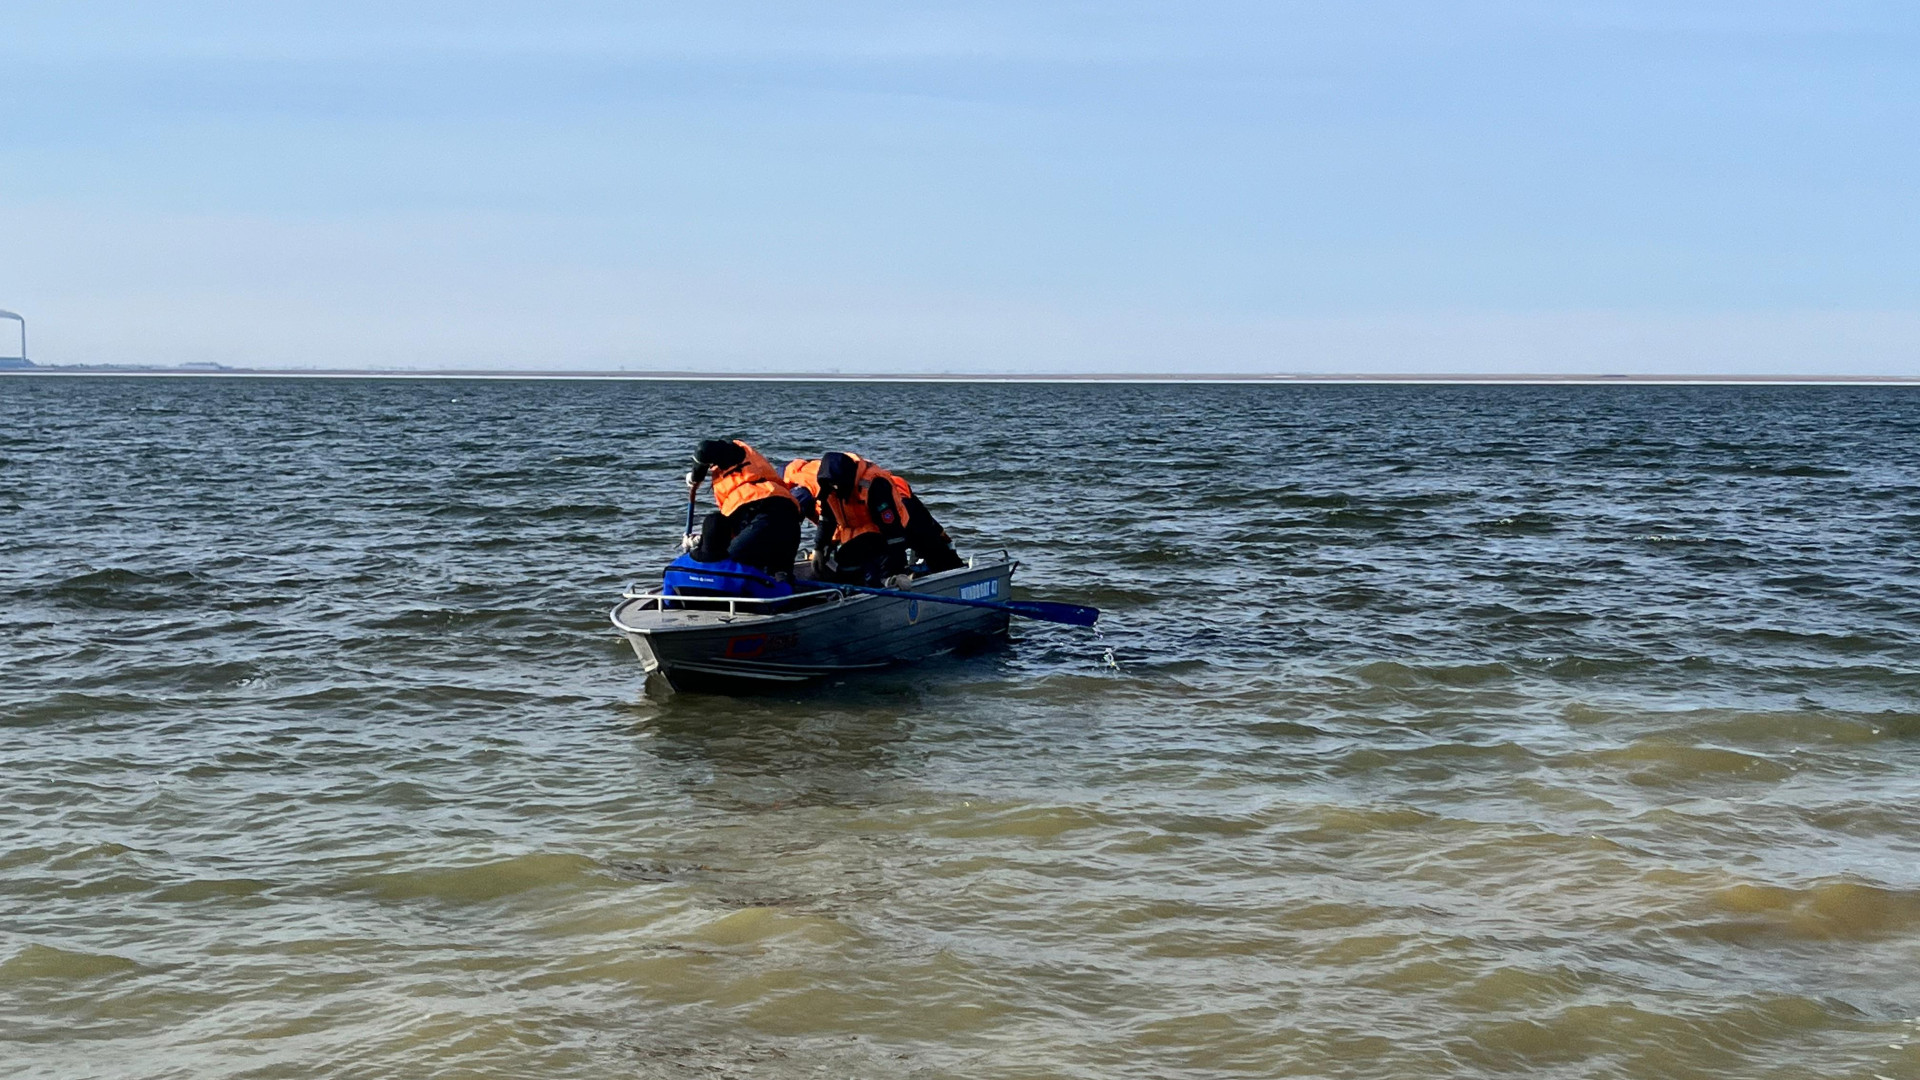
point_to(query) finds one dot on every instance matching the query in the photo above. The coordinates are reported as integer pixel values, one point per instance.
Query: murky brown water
(1473, 732)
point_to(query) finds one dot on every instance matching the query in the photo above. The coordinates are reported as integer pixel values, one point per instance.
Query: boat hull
(847, 634)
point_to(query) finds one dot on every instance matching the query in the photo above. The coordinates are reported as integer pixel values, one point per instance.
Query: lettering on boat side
(749, 646)
(983, 590)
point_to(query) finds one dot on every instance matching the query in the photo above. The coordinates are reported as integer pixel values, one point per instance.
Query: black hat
(837, 473)
(720, 454)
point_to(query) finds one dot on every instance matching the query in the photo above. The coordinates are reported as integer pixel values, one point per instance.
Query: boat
(705, 640)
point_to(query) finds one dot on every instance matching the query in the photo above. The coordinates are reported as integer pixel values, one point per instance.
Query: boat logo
(742, 647)
(913, 611)
(748, 646)
(982, 590)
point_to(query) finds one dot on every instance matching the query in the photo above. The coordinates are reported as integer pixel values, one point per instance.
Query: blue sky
(1421, 187)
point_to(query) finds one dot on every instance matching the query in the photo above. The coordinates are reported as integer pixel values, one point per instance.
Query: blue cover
(687, 576)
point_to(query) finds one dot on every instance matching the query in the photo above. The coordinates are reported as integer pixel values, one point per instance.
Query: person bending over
(758, 520)
(868, 519)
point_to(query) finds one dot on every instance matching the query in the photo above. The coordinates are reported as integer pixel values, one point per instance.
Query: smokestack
(22, 320)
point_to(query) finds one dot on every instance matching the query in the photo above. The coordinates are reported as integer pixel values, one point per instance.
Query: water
(1447, 731)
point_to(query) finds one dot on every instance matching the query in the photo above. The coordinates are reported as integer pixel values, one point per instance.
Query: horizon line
(1219, 378)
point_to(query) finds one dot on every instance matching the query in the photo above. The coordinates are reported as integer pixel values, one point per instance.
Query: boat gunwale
(733, 616)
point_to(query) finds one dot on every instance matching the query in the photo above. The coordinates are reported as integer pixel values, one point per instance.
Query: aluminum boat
(732, 643)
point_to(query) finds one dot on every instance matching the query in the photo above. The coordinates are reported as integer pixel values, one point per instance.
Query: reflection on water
(1456, 731)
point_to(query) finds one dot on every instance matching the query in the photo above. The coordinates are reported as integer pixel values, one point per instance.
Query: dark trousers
(866, 559)
(764, 534)
(870, 558)
(928, 540)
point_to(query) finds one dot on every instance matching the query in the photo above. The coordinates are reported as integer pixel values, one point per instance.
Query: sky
(1494, 186)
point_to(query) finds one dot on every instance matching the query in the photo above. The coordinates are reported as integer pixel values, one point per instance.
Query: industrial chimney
(20, 361)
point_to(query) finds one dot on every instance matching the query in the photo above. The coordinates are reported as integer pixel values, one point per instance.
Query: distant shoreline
(1222, 378)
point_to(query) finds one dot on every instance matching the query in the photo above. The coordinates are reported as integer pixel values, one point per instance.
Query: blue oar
(1044, 610)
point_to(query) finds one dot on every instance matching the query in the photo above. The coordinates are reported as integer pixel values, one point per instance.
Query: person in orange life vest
(868, 518)
(758, 521)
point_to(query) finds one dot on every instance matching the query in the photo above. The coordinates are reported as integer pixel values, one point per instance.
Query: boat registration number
(980, 590)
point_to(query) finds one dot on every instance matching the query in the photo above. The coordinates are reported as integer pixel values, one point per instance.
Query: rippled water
(1434, 731)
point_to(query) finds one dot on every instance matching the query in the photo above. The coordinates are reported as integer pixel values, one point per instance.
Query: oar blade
(1048, 611)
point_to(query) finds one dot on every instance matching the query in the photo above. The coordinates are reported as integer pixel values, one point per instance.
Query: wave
(1526, 523)
(1663, 761)
(486, 882)
(1836, 909)
(70, 705)
(38, 962)
(1631, 1040)
(118, 588)
(1389, 673)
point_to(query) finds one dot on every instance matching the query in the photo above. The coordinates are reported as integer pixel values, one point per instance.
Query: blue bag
(687, 576)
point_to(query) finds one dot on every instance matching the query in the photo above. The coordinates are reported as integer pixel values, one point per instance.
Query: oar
(1043, 610)
(693, 499)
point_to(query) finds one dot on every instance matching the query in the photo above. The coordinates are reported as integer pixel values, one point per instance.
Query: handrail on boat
(731, 601)
(974, 562)
(733, 604)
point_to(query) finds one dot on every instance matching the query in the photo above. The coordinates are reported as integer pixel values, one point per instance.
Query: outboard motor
(687, 576)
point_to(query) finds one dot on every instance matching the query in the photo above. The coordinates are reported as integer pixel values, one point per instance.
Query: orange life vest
(804, 475)
(851, 517)
(750, 481)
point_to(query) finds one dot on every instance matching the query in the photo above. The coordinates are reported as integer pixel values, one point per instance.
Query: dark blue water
(1432, 730)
